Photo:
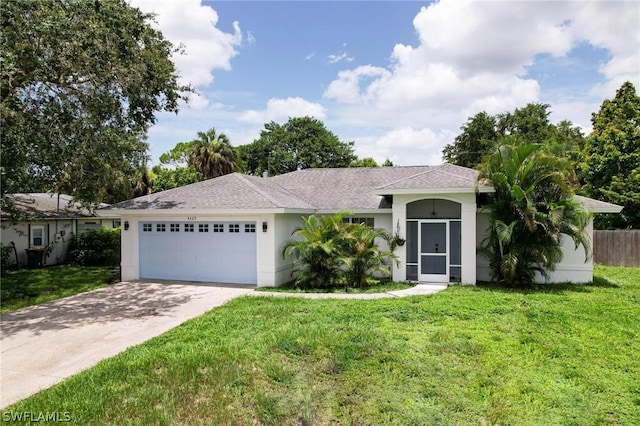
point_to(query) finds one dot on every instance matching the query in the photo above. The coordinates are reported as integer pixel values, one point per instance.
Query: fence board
(617, 247)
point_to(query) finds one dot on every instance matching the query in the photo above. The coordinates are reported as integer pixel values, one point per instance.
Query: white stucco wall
(572, 267)
(56, 231)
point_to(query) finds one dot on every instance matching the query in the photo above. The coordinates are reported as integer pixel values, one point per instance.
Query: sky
(398, 78)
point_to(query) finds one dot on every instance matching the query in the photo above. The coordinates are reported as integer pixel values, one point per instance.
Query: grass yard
(561, 355)
(28, 287)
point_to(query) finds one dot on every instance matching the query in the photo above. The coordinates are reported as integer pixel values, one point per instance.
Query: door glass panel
(454, 231)
(433, 265)
(433, 238)
(455, 274)
(412, 242)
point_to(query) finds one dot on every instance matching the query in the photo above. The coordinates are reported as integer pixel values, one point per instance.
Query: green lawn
(28, 287)
(556, 355)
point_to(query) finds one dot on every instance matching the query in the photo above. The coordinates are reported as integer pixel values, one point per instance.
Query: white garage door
(222, 252)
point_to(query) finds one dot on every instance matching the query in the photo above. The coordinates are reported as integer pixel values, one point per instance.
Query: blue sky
(398, 78)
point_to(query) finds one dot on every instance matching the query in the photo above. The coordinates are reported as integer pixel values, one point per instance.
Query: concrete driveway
(45, 344)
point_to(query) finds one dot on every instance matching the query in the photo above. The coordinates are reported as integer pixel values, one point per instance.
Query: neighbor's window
(188, 227)
(147, 227)
(203, 227)
(37, 236)
(218, 227)
(366, 220)
(234, 227)
(249, 227)
(174, 227)
(161, 227)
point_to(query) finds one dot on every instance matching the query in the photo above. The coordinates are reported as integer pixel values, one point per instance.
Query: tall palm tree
(532, 208)
(212, 154)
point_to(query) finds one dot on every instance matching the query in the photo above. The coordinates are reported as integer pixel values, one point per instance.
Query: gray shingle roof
(318, 189)
(323, 189)
(228, 192)
(44, 205)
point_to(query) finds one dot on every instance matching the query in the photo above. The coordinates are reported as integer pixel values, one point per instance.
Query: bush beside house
(95, 247)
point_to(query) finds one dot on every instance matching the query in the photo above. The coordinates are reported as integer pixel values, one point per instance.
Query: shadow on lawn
(117, 302)
(556, 288)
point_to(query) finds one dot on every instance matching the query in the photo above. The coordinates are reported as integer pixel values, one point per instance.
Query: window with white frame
(174, 227)
(161, 227)
(37, 236)
(368, 221)
(218, 227)
(234, 227)
(250, 227)
(188, 227)
(203, 227)
(147, 227)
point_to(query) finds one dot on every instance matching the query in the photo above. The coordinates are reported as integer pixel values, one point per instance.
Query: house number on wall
(191, 218)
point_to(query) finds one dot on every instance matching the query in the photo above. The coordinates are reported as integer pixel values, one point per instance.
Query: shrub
(95, 247)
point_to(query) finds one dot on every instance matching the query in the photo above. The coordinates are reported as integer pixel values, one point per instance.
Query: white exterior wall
(265, 259)
(468, 230)
(572, 267)
(54, 230)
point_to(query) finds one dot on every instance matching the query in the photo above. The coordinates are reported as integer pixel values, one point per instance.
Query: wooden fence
(617, 248)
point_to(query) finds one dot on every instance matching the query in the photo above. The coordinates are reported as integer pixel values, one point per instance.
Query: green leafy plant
(532, 208)
(328, 252)
(95, 247)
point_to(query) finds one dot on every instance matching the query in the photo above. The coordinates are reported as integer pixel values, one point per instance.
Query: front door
(434, 253)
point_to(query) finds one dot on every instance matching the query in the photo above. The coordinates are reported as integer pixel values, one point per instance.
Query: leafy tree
(483, 133)
(533, 206)
(165, 178)
(388, 163)
(478, 137)
(300, 143)
(611, 167)
(364, 162)
(80, 85)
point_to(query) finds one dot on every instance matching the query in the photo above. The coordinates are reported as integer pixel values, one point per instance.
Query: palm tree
(212, 154)
(362, 255)
(316, 251)
(532, 208)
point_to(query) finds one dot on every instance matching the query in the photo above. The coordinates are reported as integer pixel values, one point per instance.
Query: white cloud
(473, 56)
(405, 146)
(342, 56)
(281, 109)
(310, 56)
(193, 25)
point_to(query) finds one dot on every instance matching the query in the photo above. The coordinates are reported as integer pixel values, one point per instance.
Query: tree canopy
(300, 143)
(483, 133)
(81, 83)
(611, 164)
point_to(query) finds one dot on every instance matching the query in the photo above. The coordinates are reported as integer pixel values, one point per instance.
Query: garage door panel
(228, 257)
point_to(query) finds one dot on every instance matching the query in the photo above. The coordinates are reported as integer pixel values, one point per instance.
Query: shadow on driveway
(127, 300)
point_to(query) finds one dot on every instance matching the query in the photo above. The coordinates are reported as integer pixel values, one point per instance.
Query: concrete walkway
(418, 290)
(44, 344)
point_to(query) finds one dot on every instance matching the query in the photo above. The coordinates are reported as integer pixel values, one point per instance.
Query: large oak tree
(81, 82)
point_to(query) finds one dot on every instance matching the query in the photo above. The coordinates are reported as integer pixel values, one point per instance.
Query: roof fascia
(481, 189)
(205, 212)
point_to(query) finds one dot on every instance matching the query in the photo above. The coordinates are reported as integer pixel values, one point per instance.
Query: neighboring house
(48, 220)
(231, 229)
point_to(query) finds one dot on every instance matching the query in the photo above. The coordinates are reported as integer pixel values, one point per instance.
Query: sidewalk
(418, 290)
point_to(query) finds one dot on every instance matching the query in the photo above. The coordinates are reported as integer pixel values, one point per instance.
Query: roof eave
(207, 212)
(405, 191)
